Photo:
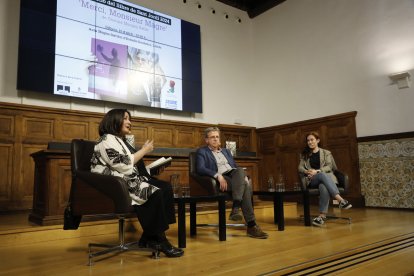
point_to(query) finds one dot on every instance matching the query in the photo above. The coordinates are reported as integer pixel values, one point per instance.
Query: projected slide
(117, 51)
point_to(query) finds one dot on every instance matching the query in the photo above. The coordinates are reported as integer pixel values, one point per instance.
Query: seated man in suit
(217, 162)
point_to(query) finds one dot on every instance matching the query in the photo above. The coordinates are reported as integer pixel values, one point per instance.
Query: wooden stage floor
(378, 242)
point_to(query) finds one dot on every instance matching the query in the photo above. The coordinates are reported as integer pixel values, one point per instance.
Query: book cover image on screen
(112, 51)
(161, 163)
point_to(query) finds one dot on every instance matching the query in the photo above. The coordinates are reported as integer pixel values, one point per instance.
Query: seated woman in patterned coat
(152, 199)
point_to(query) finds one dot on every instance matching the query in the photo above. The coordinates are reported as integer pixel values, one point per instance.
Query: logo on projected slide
(172, 85)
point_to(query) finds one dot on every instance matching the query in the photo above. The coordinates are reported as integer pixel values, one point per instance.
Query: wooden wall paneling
(16, 197)
(24, 188)
(163, 136)
(6, 171)
(74, 129)
(242, 141)
(307, 129)
(288, 144)
(63, 178)
(6, 126)
(199, 139)
(253, 141)
(141, 133)
(25, 129)
(35, 127)
(339, 130)
(289, 167)
(185, 137)
(7, 141)
(285, 142)
(341, 140)
(240, 134)
(267, 142)
(268, 166)
(94, 130)
(289, 138)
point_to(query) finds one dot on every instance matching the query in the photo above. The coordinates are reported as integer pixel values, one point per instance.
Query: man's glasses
(214, 137)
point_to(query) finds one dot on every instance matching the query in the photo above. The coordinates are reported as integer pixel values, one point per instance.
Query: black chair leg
(121, 247)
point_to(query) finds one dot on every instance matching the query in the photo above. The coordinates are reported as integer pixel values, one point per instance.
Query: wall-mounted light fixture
(403, 79)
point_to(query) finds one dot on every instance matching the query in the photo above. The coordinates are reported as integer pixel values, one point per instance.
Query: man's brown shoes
(236, 215)
(256, 232)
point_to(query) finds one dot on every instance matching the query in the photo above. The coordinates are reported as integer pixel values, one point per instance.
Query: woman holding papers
(152, 199)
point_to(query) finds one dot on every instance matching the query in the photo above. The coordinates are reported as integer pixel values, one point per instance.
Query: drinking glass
(280, 186)
(271, 184)
(185, 190)
(296, 186)
(175, 182)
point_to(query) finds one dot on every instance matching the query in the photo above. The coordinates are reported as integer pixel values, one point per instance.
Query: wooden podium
(52, 181)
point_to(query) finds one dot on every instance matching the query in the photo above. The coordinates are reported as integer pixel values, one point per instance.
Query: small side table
(181, 201)
(278, 212)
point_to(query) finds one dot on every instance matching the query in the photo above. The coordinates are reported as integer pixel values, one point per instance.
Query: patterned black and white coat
(113, 157)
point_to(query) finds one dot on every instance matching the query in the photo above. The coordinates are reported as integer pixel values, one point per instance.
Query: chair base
(121, 247)
(111, 248)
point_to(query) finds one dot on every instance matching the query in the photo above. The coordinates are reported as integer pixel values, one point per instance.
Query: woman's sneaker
(344, 204)
(318, 221)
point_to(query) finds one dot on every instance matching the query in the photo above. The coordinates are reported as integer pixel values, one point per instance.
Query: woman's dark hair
(112, 122)
(306, 153)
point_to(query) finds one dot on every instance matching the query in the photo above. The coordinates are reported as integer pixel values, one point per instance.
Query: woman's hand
(310, 173)
(148, 146)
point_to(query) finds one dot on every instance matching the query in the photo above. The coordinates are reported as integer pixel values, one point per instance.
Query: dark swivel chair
(205, 186)
(343, 187)
(200, 185)
(93, 194)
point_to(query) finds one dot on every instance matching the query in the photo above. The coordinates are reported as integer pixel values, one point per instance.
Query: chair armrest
(203, 185)
(343, 180)
(113, 187)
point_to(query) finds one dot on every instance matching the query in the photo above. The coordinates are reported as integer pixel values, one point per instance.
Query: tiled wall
(387, 172)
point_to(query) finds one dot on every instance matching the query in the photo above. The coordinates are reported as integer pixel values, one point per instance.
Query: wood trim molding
(310, 121)
(392, 136)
